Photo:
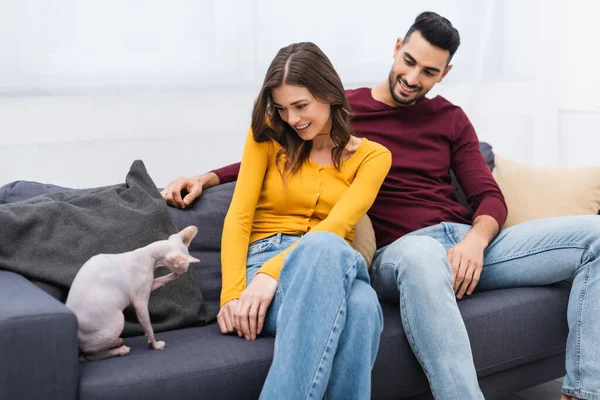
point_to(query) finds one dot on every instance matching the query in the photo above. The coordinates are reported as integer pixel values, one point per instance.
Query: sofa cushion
(197, 363)
(364, 239)
(534, 192)
(507, 328)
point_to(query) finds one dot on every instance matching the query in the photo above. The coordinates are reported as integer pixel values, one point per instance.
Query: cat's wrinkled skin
(108, 283)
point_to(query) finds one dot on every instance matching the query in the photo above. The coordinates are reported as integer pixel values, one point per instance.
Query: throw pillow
(535, 192)
(364, 239)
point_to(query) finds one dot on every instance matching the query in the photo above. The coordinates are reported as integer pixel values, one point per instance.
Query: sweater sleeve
(227, 174)
(351, 206)
(473, 174)
(238, 222)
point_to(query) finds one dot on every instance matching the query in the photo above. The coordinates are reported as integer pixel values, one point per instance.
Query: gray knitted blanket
(47, 239)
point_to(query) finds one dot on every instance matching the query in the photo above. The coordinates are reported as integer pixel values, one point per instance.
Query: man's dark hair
(437, 30)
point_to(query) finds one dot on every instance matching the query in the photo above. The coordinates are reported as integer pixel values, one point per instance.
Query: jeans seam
(579, 393)
(539, 250)
(579, 322)
(319, 370)
(333, 329)
(408, 334)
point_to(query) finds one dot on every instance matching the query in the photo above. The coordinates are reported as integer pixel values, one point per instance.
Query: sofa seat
(508, 328)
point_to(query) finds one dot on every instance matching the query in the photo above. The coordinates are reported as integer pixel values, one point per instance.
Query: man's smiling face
(418, 66)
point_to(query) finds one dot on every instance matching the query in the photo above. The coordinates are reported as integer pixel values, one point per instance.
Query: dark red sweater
(426, 140)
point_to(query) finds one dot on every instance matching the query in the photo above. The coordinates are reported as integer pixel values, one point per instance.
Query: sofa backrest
(207, 213)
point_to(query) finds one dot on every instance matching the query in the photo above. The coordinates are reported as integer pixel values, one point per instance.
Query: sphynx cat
(108, 283)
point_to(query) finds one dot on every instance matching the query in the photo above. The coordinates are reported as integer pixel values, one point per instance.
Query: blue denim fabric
(325, 316)
(415, 271)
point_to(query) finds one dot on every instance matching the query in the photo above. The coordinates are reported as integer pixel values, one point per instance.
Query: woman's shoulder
(369, 147)
(267, 144)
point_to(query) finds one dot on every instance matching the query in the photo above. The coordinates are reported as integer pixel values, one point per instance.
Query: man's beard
(393, 81)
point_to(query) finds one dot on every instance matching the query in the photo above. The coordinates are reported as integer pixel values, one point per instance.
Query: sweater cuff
(495, 208)
(232, 295)
(272, 268)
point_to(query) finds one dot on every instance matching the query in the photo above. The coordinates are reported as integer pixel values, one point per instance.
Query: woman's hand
(251, 308)
(225, 317)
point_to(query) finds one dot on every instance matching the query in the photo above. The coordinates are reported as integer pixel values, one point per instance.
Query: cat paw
(158, 345)
(123, 351)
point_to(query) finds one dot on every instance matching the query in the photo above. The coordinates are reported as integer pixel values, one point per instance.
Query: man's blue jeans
(415, 271)
(325, 316)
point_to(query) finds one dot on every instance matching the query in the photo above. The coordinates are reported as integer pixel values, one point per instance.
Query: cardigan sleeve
(238, 221)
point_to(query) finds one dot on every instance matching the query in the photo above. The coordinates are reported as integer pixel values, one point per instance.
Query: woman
(288, 269)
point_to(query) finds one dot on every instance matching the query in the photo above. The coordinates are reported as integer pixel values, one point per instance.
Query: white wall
(86, 87)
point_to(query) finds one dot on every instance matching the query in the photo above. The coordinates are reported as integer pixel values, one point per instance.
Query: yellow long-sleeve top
(316, 198)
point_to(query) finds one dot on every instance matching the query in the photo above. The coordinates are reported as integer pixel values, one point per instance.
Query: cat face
(179, 258)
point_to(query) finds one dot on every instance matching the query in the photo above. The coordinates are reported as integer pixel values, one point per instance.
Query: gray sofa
(518, 338)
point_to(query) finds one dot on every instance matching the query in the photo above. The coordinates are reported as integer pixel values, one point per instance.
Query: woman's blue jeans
(325, 316)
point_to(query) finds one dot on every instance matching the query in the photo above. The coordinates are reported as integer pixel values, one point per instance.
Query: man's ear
(446, 70)
(398, 46)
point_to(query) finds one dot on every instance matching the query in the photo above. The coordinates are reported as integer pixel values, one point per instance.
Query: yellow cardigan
(316, 198)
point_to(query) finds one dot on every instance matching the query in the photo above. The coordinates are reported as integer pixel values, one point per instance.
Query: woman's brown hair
(301, 64)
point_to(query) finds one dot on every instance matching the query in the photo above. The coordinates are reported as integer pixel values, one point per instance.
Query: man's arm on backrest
(227, 174)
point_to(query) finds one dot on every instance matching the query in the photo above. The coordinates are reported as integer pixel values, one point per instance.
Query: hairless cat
(108, 283)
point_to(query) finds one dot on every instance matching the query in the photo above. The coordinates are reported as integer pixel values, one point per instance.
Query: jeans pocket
(450, 233)
(261, 246)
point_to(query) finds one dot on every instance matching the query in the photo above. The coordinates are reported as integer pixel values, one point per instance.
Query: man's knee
(421, 257)
(590, 224)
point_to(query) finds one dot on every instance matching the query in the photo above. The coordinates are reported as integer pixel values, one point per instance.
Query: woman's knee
(324, 258)
(321, 242)
(324, 248)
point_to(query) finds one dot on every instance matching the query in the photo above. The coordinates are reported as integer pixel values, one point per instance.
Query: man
(432, 250)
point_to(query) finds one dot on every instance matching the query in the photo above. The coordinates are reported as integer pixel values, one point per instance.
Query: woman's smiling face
(302, 111)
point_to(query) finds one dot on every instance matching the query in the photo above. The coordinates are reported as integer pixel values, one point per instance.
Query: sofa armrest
(38, 343)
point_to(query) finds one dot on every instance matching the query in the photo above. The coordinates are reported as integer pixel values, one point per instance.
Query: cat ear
(192, 259)
(188, 234)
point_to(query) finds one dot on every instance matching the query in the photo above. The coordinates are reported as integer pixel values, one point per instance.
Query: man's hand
(466, 259)
(193, 186)
(225, 317)
(251, 309)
